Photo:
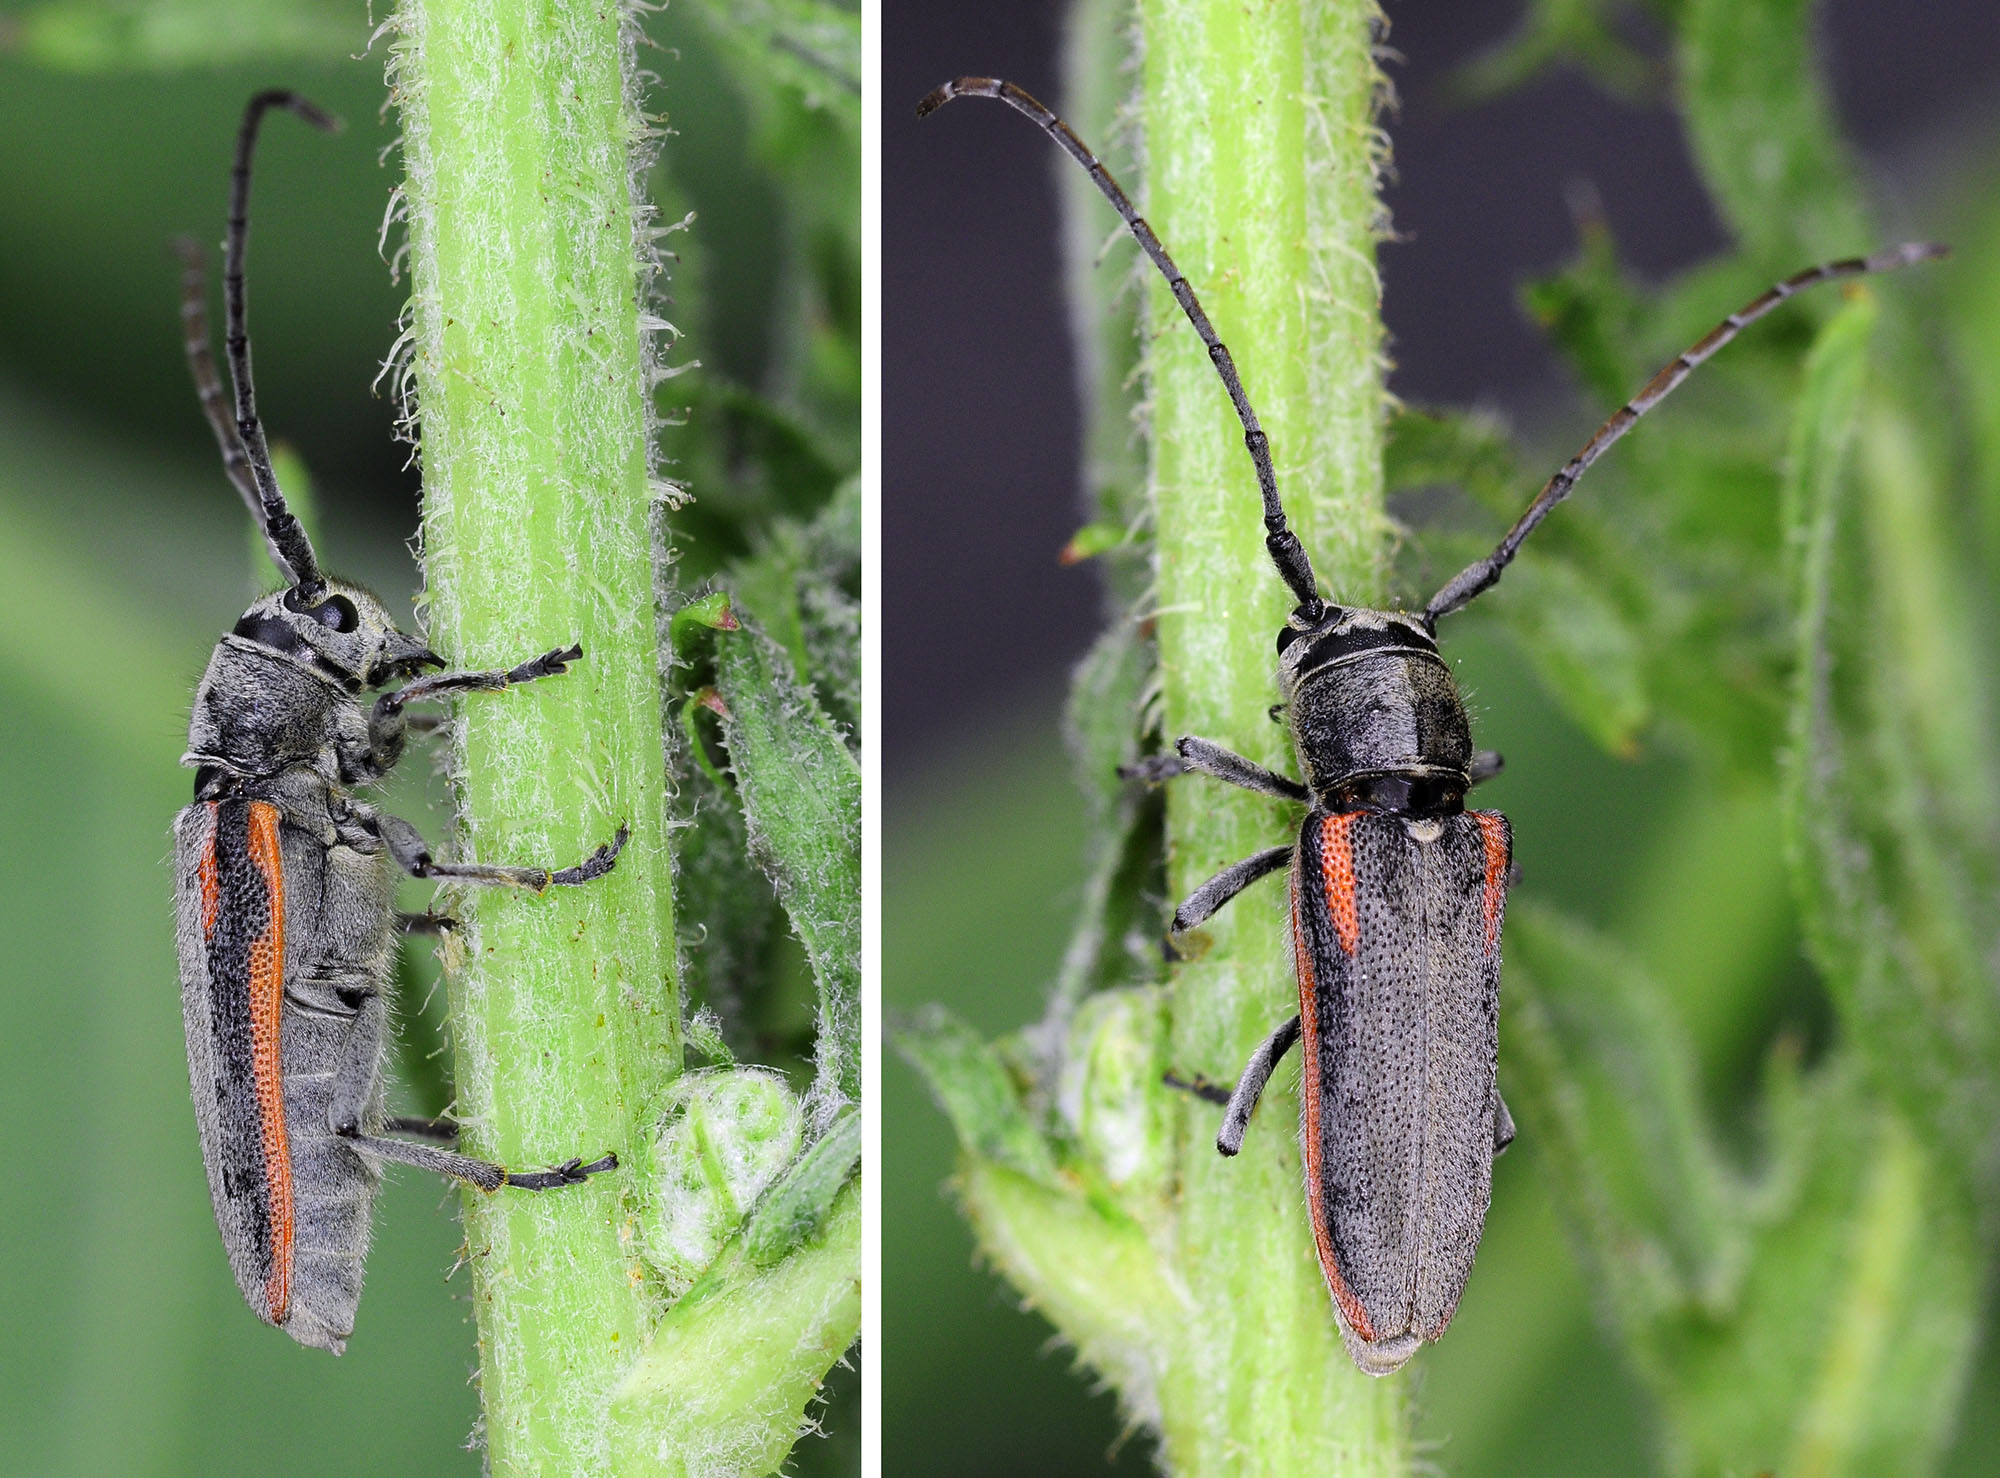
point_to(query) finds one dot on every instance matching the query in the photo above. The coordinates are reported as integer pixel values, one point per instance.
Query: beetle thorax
(1374, 713)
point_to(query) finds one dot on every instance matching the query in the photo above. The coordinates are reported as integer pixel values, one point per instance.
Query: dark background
(983, 832)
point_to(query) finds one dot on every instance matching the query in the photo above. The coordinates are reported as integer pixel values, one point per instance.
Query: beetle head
(1310, 639)
(343, 631)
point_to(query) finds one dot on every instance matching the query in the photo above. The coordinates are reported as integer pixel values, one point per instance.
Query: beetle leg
(1503, 1125)
(387, 723)
(426, 923)
(353, 1085)
(1201, 756)
(1225, 885)
(1199, 1086)
(437, 685)
(444, 1131)
(406, 844)
(1250, 1087)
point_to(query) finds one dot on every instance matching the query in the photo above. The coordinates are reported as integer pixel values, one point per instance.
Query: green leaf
(1552, 32)
(728, 1134)
(794, 1211)
(710, 613)
(801, 795)
(1817, 1318)
(808, 48)
(1113, 1095)
(1568, 616)
(1611, 1086)
(1764, 132)
(803, 582)
(1890, 920)
(977, 1093)
(738, 1363)
(1096, 1277)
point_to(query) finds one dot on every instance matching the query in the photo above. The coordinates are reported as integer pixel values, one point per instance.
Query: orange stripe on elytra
(1350, 1306)
(267, 995)
(1336, 873)
(211, 877)
(1494, 829)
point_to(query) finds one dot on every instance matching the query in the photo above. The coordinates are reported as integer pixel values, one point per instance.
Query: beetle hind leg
(484, 1174)
(354, 1084)
(1250, 1087)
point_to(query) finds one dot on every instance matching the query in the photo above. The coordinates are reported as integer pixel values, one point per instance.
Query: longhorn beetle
(1397, 891)
(284, 881)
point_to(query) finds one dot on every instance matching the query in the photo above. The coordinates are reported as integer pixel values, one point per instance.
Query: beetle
(284, 879)
(1397, 891)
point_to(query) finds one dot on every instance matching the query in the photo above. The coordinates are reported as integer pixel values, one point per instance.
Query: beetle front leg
(1202, 756)
(354, 1084)
(387, 723)
(437, 685)
(406, 844)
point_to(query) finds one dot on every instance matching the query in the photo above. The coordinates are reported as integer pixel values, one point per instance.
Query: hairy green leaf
(1889, 919)
(980, 1097)
(801, 795)
(736, 1365)
(795, 1209)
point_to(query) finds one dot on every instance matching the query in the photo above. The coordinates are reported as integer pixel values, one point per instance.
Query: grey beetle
(284, 880)
(1397, 891)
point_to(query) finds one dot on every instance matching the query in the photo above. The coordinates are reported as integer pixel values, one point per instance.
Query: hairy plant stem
(1262, 152)
(529, 363)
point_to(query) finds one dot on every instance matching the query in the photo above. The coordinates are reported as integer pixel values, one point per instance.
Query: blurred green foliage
(1774, 603)
(122, 556)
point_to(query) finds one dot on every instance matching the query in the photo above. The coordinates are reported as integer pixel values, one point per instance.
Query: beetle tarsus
(570, 1172)
(596, 865)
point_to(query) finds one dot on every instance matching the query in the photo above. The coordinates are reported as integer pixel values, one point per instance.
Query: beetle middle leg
(406, 844)
(354, 1084)
(1202, 903)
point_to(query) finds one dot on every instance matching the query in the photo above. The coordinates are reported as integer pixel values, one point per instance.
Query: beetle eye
(336, 613)
(1286, 636)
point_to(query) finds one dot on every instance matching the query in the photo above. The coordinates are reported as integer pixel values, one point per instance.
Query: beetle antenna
(283, 532)
(1286, 551)
(207, 384)
(1481, 575)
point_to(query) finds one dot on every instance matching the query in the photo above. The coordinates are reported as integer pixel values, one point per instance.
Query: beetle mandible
(1397, 892)
(284, 880)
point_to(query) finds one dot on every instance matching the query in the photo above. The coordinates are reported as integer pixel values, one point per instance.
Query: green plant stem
(529, 363)
(1261, 149)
